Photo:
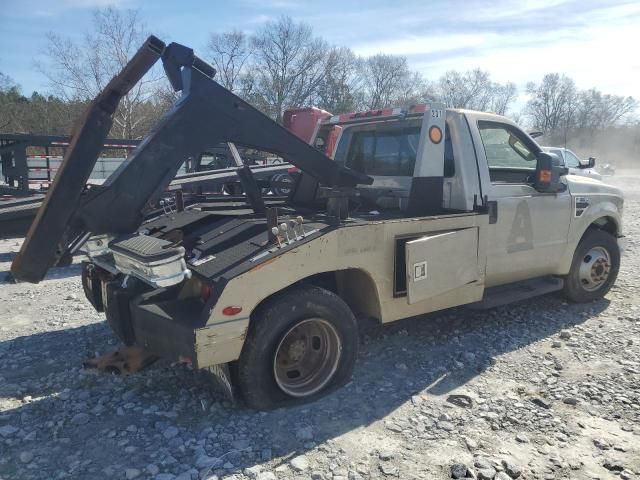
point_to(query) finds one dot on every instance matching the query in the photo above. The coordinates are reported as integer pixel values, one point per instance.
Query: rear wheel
(595, 267)
(301, 345)
(281, 184)
(233, 189)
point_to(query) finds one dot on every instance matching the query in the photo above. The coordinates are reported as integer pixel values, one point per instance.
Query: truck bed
(16, 214)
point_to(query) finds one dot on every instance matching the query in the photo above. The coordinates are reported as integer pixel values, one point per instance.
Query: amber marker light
(544, 176)
(435, 134)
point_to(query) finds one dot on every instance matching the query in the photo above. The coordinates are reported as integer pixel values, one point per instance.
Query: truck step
(518, 291)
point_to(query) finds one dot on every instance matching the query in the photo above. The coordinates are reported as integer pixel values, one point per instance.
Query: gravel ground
(549, 390)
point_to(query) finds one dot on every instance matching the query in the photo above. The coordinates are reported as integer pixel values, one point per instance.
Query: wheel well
(353, 285)
(606, 224)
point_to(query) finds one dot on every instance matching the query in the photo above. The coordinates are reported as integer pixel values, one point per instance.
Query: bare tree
(617, 108)
(229, 52)
(475, 90)
(597, 110)
(458, 90)
(552, 102)
(413, 89)
(341, 89)
(502, 97)
(289, 66)
(6, 82)
(78, 71)
(384, 78)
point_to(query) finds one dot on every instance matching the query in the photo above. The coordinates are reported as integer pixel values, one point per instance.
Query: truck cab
(395, 213)
(490, 163)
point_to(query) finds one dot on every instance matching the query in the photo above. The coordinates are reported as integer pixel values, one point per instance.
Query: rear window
(384, 153)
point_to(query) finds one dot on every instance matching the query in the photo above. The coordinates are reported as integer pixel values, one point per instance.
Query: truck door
(439, 262)
(530, 234)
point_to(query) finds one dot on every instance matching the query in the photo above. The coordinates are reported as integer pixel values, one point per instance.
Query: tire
(282, 184)
(232, 189)
(302, 325)
(594, 268)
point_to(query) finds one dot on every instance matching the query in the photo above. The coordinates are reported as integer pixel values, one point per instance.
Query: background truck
(28, 163)
(575, 165)
(396, 213)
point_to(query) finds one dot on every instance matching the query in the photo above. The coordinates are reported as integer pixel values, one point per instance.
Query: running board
(518, 291)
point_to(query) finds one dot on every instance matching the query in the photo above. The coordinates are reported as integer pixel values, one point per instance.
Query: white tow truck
(397, 212)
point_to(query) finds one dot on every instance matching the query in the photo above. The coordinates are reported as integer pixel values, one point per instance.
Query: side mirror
(549, 169)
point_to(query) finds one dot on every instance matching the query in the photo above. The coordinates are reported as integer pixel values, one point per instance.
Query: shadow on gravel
(7, 256)
(92, 415)
(73, 270)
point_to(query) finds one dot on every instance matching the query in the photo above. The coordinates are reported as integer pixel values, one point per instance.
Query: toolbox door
(441, 262)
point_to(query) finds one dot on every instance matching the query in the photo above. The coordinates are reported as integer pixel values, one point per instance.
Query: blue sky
(593, 41)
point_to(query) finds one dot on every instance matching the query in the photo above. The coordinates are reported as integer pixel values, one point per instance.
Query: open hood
(205, 115)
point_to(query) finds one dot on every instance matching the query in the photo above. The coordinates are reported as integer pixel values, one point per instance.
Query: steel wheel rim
(307, 357)
(595, 269)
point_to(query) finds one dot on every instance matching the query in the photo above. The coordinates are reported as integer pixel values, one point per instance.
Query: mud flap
(220, 377)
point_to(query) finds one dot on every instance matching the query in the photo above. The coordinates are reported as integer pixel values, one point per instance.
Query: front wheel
(301, 344)
(594, 269)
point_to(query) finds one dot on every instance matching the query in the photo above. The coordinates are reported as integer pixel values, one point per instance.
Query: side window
(571, 160)
(503, 149)
(509, 158)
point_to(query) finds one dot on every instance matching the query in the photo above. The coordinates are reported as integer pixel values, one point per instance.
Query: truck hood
(579, 185)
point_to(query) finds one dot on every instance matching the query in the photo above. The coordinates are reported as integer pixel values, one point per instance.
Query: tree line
(284, 65)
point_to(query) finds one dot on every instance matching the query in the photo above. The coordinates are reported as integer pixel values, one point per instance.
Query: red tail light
(205, 291)
(231, 310)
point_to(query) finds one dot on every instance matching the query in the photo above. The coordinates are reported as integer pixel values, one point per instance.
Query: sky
(595, 42)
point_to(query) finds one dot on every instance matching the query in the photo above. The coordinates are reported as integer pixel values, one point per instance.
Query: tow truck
(396, 212)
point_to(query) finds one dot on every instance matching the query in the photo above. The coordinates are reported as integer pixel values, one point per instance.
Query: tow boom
(205, 115)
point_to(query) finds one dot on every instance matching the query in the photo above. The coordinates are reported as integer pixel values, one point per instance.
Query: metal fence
(43, 168)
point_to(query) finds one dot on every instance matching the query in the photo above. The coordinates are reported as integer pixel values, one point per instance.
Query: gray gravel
(552, 390)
